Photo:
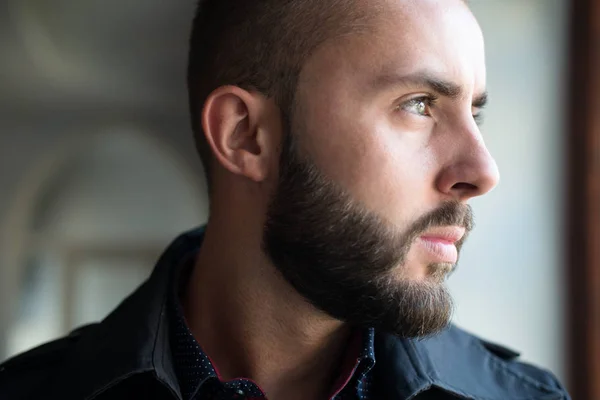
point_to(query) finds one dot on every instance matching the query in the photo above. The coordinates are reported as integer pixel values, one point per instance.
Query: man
(341, 146)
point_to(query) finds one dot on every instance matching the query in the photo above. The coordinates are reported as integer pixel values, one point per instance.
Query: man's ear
(233, 123)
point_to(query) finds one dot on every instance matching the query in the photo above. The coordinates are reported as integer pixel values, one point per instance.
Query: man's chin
(428, 274)
(419, 308)
(439, 272)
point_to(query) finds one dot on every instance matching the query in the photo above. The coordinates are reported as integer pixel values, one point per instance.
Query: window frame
(583, 199)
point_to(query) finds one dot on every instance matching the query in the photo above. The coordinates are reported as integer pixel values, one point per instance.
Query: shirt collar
(135, 339)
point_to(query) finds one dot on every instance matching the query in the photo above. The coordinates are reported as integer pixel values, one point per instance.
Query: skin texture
(356, 121)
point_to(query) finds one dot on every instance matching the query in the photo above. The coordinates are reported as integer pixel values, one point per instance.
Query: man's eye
(478, 118)
(419, 106)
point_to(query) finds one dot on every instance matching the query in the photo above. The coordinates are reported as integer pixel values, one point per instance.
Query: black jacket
(127, 356)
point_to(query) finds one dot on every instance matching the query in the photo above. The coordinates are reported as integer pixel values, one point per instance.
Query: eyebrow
(423, 79)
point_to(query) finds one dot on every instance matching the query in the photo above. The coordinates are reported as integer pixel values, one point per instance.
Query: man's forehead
(405, 38)
(437, 42)
(409, 8)
(419, 24)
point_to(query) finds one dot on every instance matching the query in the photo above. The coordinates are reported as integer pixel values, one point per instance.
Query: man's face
(380, 157)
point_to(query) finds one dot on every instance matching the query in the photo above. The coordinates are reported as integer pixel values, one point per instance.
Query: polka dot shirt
(199, 380)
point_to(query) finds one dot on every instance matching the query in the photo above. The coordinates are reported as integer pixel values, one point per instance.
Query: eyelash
(430, 102)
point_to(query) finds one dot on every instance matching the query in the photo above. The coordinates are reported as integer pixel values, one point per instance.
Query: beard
(346, 260)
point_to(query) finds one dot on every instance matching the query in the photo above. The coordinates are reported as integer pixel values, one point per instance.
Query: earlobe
(231, 122)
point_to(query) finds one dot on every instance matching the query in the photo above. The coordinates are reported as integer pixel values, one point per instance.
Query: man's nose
(472, 171)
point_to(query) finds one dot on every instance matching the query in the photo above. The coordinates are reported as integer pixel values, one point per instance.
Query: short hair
(258, 45)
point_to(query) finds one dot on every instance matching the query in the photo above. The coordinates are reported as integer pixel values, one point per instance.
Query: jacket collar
(135, 339)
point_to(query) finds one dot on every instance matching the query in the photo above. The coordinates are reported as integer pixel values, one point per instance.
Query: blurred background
(98, 171)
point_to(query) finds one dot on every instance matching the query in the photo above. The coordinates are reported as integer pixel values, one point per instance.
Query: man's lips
(440, 243)
(444, 234)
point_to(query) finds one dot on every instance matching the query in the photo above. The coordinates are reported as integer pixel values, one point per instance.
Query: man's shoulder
(470, 363)
(22, 376)
(498, 360)
(464, 364)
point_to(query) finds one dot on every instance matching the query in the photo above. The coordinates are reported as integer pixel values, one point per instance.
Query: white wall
(509, 287)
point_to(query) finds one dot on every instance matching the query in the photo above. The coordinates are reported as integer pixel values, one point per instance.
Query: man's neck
(252, 324)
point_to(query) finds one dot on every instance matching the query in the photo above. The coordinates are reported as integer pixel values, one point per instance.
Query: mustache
(451, 213)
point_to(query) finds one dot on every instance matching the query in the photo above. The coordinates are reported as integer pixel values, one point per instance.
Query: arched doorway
(91, 229)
